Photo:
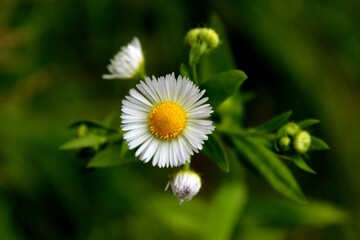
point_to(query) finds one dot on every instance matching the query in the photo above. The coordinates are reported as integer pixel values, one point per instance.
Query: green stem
(186, 166)
(194, 74)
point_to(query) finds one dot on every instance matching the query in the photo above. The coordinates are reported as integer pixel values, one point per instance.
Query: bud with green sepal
(201, 40)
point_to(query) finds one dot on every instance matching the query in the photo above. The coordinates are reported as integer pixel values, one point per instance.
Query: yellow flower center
(167, 120)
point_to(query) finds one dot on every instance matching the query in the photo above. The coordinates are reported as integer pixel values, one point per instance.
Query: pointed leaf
(112, 155)
(300, 162)
(222, 86)
(318, 144)
(274, 123)
(214, 149)
(93, 124)
(268, 166)
(90, 140)
(308, 123)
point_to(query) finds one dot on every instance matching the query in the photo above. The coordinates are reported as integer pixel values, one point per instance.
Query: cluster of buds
(292, 139)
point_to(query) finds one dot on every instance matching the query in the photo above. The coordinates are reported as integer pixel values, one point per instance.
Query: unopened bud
(185, 185)
(202, 35)
(302, 142)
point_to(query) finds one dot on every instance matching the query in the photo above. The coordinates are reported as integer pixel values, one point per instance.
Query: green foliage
(222, 86)
(91, 140)
(318, 144)
(214, 149)
(115, 154)
(300, 162)
(308, 123)
(267, 166)
(274, 123)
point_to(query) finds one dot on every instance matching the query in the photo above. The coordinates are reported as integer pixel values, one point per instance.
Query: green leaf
(275, 123)
(114, 154)
(214, 149)
(93, 124)
(222, 86)
(224, 210)
(184, 70)
(300, 162)
(90, 140)
(276, 213)
(308, 123)
(268, 166)
(318, 144)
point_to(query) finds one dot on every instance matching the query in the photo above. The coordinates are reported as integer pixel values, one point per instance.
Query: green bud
(202, 36)
(302, 142)
(285, 144)
(289, 129)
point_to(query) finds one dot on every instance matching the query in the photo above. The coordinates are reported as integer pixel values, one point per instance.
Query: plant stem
(186, 166)
(194, 74)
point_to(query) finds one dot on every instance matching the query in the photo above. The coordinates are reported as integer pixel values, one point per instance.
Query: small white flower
(185, 185)
(128, 62)
(164, 118)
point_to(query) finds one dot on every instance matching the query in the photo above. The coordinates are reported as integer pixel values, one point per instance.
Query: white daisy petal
(165, 119)
(127, 63)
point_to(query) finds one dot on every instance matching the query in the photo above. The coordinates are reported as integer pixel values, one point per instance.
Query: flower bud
(202, 35)
(185, 185)
(289, 129)
(302, 142)
(284, 144)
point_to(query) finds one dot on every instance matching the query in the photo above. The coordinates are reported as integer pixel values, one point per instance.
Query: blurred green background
(299, 54)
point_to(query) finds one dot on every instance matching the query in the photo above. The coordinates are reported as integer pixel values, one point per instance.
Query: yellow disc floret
(167, 120)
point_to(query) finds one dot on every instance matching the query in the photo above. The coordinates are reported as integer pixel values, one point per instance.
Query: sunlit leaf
(275, 123)
(214, 150)
(284, 214)
(318, 144)
(90, 140)
(268, 166)
(308, 123)
(300, 162)
(222, 86)
(224, 210)
(114, 154)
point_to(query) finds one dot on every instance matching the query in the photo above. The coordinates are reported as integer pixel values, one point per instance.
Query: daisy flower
(185, 185)
(128, 62)
(164, 119)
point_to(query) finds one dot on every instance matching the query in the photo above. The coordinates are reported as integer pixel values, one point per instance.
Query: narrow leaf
(268, 166)
(275, 123)
(112, 155)
(214, 150)
(93, 124)
(318, 144)
(300, 162)
(90, 140)
(222, 86)
(308, 123)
